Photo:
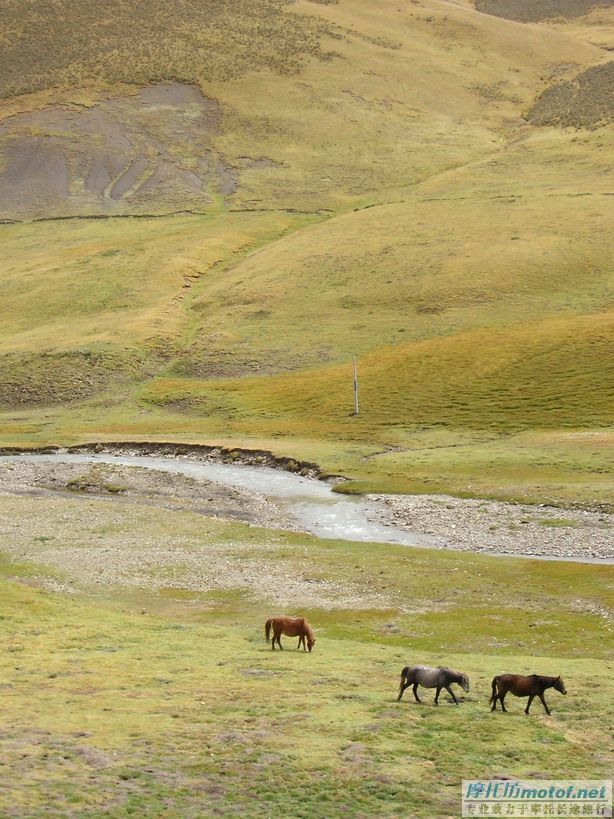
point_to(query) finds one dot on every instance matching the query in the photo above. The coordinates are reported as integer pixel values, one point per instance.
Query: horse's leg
(495, 697)
(543, 699)
(402, 687)
(531, 697)
(415, 690)
(451, 693)
(437, 695)
(501, 700)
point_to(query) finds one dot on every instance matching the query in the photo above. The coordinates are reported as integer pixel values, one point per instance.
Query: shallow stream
(309, 502)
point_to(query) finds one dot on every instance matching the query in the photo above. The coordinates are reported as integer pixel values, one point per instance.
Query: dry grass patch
(60, 44)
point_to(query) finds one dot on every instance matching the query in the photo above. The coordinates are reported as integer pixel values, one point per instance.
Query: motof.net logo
(543, 797)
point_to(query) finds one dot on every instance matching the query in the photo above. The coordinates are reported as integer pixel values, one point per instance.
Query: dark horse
(427, 677)
(519, 686)
(291, 627)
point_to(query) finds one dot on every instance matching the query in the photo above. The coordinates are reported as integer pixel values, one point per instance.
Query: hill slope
(341, 104)
(400, 185)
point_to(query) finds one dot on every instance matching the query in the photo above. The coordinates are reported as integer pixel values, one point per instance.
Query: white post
(355, 388)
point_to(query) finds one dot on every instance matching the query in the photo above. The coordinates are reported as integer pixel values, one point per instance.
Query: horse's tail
(495, 680)
(267, 629)
(404, 681)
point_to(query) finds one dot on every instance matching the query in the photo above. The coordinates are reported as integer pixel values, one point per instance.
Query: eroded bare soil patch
(130, 153)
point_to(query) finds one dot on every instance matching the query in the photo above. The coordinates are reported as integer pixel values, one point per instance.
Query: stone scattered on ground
(96, 536)
(66, 538)
(503, 528)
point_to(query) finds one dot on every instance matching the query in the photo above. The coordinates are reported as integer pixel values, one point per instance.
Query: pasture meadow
(124, 697)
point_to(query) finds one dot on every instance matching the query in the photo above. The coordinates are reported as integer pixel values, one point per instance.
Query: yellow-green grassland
(140, 693)
(207, 212)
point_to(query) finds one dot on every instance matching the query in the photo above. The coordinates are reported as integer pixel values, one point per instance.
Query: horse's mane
(460, 675)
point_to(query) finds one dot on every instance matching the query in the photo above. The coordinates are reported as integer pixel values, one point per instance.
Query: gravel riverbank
(141, 485)
(504, 528)
(452, 523)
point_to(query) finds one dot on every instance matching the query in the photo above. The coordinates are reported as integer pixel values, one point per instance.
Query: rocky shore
(141, 485)
(504, 528)
(466, 524)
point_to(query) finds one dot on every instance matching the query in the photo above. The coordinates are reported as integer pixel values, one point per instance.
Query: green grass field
(495, 380)
(118, 700)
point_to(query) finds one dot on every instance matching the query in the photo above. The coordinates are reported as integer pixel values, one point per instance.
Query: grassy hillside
(402, 186)
(58, 43)
(403, 94)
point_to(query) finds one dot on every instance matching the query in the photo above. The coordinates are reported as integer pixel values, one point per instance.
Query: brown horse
(291, 627)
(531, 687)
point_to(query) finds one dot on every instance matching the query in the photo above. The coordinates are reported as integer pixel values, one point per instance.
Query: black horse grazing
(531, 687)
(427, 677)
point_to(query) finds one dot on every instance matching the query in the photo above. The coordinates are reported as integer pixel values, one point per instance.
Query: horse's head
(311, 641)
(464, 682)
(559, 685)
